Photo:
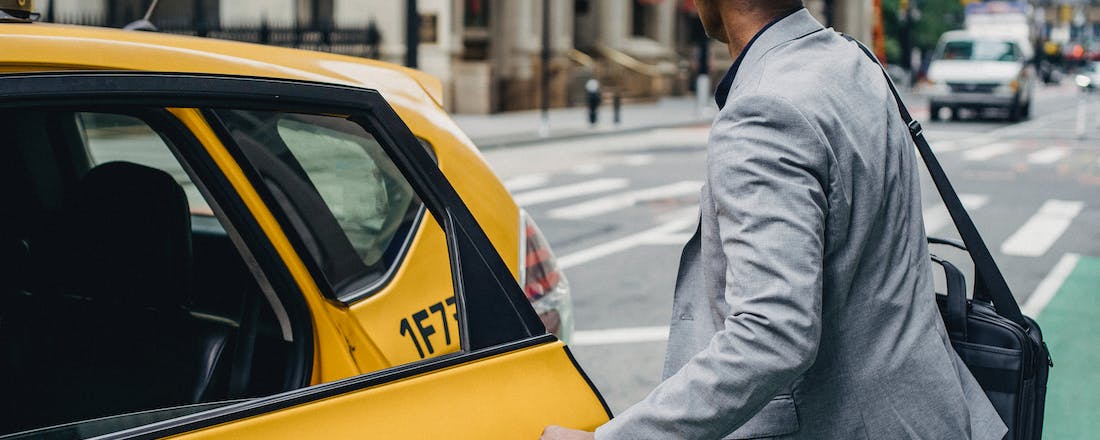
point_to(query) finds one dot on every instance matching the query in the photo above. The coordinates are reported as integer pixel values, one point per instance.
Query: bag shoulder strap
(990, 280)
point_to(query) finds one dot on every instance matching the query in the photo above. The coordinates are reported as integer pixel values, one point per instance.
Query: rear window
(980, 50)
(345, 194)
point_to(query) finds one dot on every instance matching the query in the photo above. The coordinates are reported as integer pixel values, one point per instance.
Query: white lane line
(526, 182)
(568, 191)
(1036, 236)
(638, 159)
(945, 146)
(988, 152)
(936, 217)
(687, 219)
(611, 203)
(1047, 156)
(1050, 285)
(588, 169)
(624, 335)
(669, 239)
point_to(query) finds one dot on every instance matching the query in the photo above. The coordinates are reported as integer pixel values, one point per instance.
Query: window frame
(297, 238)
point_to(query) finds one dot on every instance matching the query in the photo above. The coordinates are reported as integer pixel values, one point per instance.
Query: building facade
(489, 53)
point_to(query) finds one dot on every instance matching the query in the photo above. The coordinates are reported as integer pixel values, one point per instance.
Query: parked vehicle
(975, 71)
(210, 239)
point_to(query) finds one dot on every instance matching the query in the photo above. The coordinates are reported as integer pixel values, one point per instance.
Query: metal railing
(357, 41)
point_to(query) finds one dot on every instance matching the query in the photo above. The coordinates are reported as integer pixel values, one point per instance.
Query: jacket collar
(792, 27)
(726, 84)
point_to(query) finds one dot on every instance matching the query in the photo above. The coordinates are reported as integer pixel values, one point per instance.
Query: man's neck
(742, 25)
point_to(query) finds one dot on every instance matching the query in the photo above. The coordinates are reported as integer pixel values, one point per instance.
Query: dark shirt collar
(723, 90)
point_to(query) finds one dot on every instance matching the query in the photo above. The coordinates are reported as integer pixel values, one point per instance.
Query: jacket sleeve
(768, 170)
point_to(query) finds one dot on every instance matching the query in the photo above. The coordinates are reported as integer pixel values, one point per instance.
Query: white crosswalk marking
(611, 203)
(587, 169)
(526, 182)
(683, 219)
(945, 146)
(1047, 156)
(936, 217)
(625, 335)
(670, 239)
(988, 152)
(638, 159)
(569, 191)
(1036, 236)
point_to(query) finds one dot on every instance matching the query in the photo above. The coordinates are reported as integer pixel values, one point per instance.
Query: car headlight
(933, 86)
(1083, 81)
(1008, 87)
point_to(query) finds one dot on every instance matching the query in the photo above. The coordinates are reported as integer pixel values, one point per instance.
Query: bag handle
(955, 317)
(989, 280)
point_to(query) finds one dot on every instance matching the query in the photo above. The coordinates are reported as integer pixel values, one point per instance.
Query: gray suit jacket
(805, 306)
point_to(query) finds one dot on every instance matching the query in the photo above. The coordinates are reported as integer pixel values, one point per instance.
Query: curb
(504, 142)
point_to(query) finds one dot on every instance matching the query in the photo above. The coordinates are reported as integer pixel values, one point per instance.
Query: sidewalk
(510, 129)
(522, 127)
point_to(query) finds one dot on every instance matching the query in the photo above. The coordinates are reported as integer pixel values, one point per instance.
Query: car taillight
(543, 281)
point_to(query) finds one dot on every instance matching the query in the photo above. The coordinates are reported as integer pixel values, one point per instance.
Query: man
(804, 305)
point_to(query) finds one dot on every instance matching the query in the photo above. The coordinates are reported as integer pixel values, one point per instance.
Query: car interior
(117, 295)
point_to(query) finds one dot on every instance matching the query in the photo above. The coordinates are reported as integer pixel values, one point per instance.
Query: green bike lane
(1071, 327)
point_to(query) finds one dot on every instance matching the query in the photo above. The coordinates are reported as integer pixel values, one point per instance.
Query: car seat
(119, 336)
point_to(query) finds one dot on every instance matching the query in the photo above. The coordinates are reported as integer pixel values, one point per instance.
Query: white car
(975, 71)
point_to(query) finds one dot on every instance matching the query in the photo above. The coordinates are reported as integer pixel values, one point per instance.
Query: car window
(114, 137)
(351, 205)
(130, 303)
(980, 50)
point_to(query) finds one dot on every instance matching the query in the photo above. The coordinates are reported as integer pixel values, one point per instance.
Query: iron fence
(355, 41)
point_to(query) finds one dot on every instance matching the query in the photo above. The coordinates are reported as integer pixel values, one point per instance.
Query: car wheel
(1015, 112)
(956, 113)
(934, 112)
(1027, 110)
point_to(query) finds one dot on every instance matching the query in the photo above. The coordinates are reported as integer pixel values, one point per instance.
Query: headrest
(133, 241)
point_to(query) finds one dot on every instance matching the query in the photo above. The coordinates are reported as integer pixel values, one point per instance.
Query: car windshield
(979, 50)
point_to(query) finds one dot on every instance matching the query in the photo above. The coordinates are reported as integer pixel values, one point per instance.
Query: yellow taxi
(210, 239)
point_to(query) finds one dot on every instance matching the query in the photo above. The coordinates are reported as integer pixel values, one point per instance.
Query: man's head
(718, 15)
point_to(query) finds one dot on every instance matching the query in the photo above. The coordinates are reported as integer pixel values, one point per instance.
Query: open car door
(507, 379)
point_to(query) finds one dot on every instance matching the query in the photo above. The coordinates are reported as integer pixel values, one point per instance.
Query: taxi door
(507, 379)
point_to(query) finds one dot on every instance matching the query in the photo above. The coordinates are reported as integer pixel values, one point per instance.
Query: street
(618, 207)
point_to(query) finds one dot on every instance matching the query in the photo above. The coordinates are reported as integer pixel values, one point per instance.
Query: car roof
(48, 46)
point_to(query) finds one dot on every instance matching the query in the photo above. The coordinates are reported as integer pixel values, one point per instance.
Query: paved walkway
(522, 127)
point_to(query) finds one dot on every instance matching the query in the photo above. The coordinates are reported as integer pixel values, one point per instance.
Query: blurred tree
(935, 18)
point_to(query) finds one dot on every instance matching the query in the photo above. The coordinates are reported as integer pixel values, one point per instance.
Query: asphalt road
(618, 208)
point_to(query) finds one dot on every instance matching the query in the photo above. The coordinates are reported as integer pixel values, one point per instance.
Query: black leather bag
(1010, 361)
(1003, 349)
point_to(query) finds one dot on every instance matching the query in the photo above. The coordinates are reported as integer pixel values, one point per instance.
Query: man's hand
(558, 433)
